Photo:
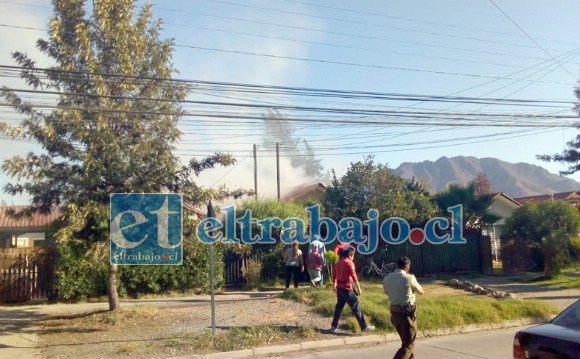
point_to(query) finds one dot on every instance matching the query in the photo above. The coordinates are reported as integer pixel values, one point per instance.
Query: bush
(82, 274)
(75, 279)
(575, 248)
(273, 261)
(252, 272)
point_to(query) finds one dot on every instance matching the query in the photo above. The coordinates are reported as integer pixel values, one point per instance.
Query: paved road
(489, 344)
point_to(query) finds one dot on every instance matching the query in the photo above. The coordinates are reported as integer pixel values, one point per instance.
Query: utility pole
(256, 171)
(278, 168)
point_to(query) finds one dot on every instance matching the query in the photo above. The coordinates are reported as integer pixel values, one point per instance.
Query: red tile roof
(571, 197)
(35, 221)
(304, 191)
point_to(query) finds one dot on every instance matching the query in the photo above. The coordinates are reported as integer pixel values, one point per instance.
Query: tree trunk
(547, 268)
(112, 289)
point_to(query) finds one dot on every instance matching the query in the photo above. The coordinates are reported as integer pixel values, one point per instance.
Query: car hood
(555, 331)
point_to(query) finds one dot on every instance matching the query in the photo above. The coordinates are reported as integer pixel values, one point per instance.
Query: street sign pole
(210, 213)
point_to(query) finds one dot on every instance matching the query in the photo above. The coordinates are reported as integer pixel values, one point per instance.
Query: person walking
(314, 264)
(317, 243)
(294, 264)
(401, 287)
(344, 278)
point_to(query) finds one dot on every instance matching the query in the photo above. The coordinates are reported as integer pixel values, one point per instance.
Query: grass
(441, 307)
(569, 278)
(560, 281)
(239, 338)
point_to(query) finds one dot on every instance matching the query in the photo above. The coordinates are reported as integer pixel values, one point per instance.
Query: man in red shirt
(344, 276)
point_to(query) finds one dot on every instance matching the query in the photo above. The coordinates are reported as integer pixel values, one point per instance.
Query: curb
(357, 340)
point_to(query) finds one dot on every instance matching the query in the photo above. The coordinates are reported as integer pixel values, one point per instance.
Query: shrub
(252, 272)
(82, 271)
(575, 248)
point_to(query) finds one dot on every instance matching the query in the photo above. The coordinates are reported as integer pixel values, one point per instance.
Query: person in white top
(401, 287)
(294, 264)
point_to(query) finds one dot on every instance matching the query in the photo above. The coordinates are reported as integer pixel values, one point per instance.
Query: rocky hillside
(513, 179)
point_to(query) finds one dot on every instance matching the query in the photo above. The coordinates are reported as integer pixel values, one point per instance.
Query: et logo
(146, 229)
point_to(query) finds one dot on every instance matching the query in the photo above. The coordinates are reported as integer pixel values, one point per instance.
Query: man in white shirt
(400, 287)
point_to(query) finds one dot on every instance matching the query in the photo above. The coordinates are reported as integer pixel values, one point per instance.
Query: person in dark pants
(344, 276)
(294, 264)
(401, 286)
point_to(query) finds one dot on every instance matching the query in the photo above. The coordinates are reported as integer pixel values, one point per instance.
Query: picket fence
(26, 273)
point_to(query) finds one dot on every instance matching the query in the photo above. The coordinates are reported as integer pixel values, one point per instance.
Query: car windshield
(570, 317)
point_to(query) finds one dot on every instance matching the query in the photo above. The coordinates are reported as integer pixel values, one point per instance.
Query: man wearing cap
(344, 277)
(400, 287)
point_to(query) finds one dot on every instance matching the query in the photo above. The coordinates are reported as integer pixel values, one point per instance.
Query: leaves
(367, 185)
(112, 127)
(550, 225)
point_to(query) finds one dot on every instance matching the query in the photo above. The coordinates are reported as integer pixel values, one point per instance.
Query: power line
(417, 21)
(368, 23)
(529, 37)
(354, 64)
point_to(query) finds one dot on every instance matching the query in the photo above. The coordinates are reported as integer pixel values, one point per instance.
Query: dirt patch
(178, 327)
(163, 330)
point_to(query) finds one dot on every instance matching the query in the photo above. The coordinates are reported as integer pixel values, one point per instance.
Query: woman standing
(294, 264)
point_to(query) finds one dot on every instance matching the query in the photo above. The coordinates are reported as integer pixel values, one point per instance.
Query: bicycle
(383, 271)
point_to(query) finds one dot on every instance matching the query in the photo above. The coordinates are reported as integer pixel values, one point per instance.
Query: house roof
(304, 191)
(198, 212)
(36, 221)
(498, 195)
(572, 197)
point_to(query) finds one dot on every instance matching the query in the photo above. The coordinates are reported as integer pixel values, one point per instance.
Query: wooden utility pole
(256, 171)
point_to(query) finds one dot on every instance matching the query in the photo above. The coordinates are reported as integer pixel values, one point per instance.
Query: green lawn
(440, 307)
(566, 280)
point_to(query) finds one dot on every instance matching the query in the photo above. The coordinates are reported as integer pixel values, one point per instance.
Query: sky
(423, 54)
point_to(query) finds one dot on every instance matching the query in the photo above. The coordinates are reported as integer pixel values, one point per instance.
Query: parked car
(559, 338)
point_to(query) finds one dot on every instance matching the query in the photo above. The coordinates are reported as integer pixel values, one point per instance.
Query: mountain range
(513, 179)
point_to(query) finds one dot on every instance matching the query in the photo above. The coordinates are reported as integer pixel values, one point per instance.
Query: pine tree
(113, 125)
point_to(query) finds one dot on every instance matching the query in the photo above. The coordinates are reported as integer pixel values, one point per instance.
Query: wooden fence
(471, 257)
(26, 273)
(234, 269)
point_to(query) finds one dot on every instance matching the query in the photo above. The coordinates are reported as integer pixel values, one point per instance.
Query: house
(502, 206)
(195, 212)
(312, 192)
(24, 232)
(570, 197)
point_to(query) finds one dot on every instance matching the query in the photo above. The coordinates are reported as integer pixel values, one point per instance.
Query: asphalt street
(487, 344)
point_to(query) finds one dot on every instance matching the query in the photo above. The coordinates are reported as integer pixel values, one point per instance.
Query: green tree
(113, 126)
(272, 260)
(474, 206)
(367, 185)
(570, 155)
(550, 226)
